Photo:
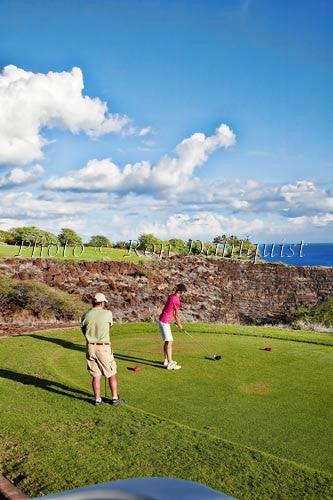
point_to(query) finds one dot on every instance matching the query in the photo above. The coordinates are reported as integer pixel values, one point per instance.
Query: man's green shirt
(95, 325)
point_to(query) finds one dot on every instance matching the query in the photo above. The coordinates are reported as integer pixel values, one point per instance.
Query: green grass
(269, 332)
(89, 253)
(255, 425)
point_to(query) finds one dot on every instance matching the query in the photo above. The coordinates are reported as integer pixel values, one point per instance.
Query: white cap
(100, 297)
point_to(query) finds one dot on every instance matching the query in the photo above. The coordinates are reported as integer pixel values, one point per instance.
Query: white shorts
(165, 330)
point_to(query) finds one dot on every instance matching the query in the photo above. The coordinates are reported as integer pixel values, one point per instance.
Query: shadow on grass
(136, 359)
(210, 358)
(61, 342)
(47, 385)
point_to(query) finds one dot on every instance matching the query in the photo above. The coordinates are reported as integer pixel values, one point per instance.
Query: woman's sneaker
(173, 366)
(166, 362)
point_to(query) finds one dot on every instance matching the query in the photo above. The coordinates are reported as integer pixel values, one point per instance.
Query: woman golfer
(170, 310)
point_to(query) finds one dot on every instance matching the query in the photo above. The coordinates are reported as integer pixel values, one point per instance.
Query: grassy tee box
(255, 425)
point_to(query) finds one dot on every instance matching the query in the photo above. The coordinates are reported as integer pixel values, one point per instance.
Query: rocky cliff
(218, 290)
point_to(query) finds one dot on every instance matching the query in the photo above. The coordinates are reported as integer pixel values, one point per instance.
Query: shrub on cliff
(322, 314)
(40, 300)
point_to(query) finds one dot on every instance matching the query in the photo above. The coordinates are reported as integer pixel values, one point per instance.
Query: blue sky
(177, 70)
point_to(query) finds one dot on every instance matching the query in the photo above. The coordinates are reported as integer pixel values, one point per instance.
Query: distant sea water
(312, 254)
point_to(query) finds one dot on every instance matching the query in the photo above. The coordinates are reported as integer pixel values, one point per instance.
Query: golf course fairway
(257, 424)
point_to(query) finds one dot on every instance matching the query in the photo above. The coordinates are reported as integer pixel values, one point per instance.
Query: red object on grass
(268, 348)
(137, 368)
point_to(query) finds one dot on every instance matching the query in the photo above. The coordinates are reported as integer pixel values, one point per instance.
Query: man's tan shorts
(100, 360)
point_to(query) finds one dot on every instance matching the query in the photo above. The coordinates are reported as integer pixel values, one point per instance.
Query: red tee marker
(268, 348)
(137, 368)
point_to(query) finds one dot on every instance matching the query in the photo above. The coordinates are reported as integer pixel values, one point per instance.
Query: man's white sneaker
(173, 366)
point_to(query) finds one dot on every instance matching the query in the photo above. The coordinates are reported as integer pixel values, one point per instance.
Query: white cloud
(268, 209)
(6, 224)
(297, 190)
(305, 198)
(54, 225)
(172, 179)
(20, 177)
(171, 173)
(200, 225)
(31, 101)
(25, 204)
(298, 221)
(72, 222)
(235, 194)
(324, 220)
(302, 198)
(205, 225)
(146, 131)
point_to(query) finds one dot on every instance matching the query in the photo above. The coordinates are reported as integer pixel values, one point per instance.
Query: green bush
(4, 236)
(121, 244)
(30, 235)
(5, 289)
(322, 314)
(98, 240)
(177, 246)
(70, 237)
(39, 299)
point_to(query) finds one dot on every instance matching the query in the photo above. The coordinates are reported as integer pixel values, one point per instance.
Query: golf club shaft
(197, 341)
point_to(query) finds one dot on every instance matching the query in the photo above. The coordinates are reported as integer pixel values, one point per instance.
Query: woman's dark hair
(181, 288)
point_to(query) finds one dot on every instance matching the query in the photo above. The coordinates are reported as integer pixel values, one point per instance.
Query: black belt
(99, 343)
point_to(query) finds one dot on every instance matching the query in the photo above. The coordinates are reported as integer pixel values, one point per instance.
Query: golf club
(214, 356)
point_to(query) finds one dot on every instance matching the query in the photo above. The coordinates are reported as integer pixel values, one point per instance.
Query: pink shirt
(171, 305)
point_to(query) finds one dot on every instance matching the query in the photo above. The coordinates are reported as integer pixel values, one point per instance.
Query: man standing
(170, 311)
(95, 325)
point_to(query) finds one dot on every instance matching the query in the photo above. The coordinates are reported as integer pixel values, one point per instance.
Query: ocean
(310, 254)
